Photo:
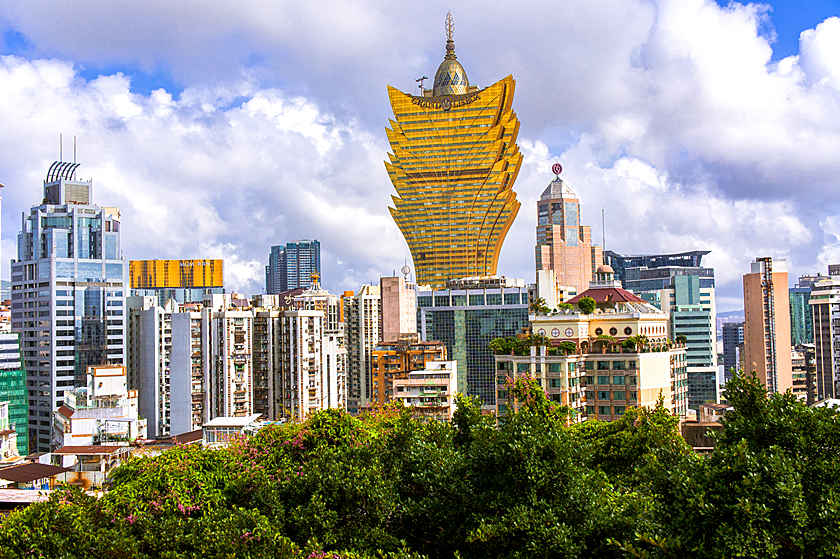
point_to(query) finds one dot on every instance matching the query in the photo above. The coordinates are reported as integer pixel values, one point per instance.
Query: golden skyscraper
(453, 163)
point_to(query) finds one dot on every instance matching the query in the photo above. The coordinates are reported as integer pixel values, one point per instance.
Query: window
(613, 331)
(619, 410)
(511, 298)
(589, 365)
(629, 379)
(628, 331)
(523, 367)
(556, 367)
(619, 395)
(599, 331)
(631, 396)
(618, 365)
(556, 383)
(618, 379)
(631, 365)
(603, 410)
(603, 365)
(604, 395)
(605, 379)
(590, 410)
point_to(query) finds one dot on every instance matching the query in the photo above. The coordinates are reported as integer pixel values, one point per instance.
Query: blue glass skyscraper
(68, 293)
(291, 266)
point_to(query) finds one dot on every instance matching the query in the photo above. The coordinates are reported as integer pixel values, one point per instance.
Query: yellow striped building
(453, 163)
(154, 274)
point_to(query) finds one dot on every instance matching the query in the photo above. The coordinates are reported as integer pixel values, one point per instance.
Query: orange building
(395, 359)
(767, 324)
(563, 244)
(175, 273)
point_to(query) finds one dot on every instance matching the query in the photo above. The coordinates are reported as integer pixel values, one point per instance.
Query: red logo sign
(556, 168)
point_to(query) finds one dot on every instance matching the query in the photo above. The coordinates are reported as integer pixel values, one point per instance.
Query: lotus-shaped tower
(453, 163)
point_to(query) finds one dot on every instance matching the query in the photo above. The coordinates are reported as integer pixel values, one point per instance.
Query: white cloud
(671, 114)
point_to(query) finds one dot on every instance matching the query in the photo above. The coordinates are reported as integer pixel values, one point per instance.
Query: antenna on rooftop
(60, 147)
(74, 149)
(603, 231)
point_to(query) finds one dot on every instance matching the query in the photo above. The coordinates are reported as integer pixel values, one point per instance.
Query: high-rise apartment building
(564, 244)
(13, 388)
(291, 266)
(453, 163)
(361, 328)
(733, 338)
(398, 308)
(68, 293)
(185, 281)
(187, 384)
(825, 307)
(767, 323)
(466, 316)
(228, 370)
(803, 365)
(687, 295)
(801, 317)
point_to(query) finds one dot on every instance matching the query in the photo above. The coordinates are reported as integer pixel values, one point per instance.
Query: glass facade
(68, 297)
(801, 318)
(453, 162)
(468, 329)
(291, 266)
(13, 389)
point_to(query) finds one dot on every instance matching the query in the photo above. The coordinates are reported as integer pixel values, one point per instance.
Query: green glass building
(466, 316)
(801, 319)
(13, 388)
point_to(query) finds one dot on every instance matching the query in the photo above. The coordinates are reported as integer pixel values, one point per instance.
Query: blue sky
(222, 129)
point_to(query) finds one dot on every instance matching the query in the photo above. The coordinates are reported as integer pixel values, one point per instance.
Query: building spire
(450, 33)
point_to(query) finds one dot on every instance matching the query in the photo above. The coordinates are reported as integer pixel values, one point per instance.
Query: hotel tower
(453, 162)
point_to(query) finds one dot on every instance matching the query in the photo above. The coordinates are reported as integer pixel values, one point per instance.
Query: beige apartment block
(767, 324)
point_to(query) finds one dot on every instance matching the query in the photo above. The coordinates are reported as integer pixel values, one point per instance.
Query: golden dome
(450, 78)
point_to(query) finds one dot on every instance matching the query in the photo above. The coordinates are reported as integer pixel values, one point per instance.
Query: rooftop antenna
(420, 82)
(60, 147)
(74, 149)
(603, 231)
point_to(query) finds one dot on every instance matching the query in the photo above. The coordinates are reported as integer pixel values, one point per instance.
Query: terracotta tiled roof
(608, 295)
(30, 472)
(92, 449)
(65, 411)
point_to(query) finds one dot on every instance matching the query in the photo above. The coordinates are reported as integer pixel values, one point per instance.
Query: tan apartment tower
(563, 244)
(767, 324)
(398, 308)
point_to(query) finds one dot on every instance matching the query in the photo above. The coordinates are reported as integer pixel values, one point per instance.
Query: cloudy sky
(220, 128)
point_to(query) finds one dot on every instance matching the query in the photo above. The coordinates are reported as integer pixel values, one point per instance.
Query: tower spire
(450, 34)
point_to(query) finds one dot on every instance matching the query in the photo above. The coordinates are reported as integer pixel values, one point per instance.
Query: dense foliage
(387, 485)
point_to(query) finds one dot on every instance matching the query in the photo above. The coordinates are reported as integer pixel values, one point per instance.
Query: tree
(538, 306)
(586, 305)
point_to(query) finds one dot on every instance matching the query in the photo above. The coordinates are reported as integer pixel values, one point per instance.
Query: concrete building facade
(361, 328)
(767, 323)
(398, 308)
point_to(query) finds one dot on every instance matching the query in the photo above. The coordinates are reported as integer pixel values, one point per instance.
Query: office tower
(430, 392)
(185, 281)
(292, 265)
(68, 293)
(564, 244)
(825, 306)
(733, 337)
(767, 323)
(801, 317)
(396, 358)
(613, 373)
(687, 295)
(453, 163)
(361, 328)
(13, 388)
(804, 369)
(682, 260)
(228, 368)
(467, 315)
(398, 308)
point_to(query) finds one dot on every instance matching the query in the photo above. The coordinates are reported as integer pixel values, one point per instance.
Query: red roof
(607, 295)
(25, 473)
(188, 437)
(92, 449)
(5, 432)
(65, 411)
